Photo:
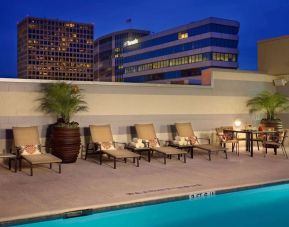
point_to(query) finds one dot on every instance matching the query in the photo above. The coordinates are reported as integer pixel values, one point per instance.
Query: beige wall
(273, 56)
(123, 105)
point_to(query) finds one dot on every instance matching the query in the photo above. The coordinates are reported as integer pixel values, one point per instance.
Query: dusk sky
(258, 20)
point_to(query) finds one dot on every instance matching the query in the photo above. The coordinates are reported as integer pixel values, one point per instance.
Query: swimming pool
(267, 206)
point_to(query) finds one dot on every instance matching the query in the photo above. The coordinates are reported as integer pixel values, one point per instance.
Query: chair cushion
(153, 143)
(32, 149)
(106, 146)
(193, 140)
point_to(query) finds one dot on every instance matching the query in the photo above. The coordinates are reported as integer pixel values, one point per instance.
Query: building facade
(178, 55)
(273, 56)
(54, 49)
(108, 51)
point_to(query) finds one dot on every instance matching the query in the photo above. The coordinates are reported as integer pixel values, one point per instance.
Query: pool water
(267, 206)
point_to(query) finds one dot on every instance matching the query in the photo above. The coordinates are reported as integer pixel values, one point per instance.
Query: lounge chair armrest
(120, 144)
(164, 142)
(207, 139)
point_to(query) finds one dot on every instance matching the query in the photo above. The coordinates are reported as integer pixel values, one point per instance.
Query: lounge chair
(185, 130)
(102, 139)
(147, 133)
(28, 147)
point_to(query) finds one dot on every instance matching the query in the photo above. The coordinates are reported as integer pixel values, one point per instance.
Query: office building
(178, 55)
(273, 56)
(108, 51)
(54, 49)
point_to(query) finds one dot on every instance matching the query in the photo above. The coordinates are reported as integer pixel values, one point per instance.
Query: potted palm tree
(271, 104)
(63, 100)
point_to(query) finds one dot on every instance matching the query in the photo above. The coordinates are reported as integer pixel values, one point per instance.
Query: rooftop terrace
(86, 184)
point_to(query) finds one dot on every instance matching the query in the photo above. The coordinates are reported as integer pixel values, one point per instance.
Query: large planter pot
(65, 143)
(276, 124)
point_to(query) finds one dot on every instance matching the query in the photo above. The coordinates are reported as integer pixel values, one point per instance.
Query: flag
(129, 20)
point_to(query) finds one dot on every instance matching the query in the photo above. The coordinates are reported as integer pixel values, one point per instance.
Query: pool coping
(88, 210)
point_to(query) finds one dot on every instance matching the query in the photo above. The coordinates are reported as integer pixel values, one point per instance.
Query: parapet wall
(122, 105)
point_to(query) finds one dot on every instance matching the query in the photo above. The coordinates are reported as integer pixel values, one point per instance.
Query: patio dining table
(249, 137)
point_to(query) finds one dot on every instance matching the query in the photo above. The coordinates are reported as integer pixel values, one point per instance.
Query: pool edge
(87, 210)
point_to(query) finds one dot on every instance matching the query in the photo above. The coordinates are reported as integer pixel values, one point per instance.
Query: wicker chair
(102, 140)
(226, 136)
(25, 137)
(277, 140)
(148, 134)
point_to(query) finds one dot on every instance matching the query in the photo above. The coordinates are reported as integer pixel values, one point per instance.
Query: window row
(164, 76)
(212, 27)
(227, 43)
(228, 57)
(38, 62)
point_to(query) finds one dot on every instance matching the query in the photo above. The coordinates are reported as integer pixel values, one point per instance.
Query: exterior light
(237, 123)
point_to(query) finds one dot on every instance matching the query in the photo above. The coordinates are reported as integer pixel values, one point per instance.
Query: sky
(259, 19)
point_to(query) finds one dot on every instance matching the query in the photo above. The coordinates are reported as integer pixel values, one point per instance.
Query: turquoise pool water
(267, 206)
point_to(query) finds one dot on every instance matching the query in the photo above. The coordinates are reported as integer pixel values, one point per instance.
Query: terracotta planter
(276, 124)
(65, 143)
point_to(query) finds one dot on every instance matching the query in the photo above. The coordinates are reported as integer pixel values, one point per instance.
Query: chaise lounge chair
(102, 139)
(28, 147)
(186, 130)
(146, 132)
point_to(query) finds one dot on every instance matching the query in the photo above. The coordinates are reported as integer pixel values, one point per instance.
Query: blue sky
(258, 19)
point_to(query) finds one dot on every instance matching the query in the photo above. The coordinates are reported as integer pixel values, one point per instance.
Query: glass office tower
(179, 55)
(108, 54)
(54, 49)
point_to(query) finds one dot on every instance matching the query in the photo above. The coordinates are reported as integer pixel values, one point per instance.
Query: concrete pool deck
(87, 185)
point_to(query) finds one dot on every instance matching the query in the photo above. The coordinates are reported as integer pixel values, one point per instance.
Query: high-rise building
(178, 55)
(54, 49)
(108, 50)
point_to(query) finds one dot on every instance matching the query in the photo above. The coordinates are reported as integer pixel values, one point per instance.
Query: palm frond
(62, 100)
(270, 103)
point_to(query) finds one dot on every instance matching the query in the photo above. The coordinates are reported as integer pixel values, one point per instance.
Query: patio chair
(147, 133)
(276, 141)
(185, 130)
(102, 139)
(226, 136)
(28, 147)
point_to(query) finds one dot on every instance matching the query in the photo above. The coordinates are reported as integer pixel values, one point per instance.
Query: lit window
(183, 35)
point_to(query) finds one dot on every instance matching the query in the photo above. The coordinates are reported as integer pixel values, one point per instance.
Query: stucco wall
(123, 105)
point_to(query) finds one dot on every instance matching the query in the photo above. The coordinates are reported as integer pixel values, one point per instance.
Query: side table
(10, 158)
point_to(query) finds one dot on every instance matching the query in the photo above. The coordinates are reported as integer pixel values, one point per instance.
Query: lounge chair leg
(275, 150)
(226, 155)
(114, 163)
(100, 157)
(133, 160)
(20, 164)
(9, 163)
(165, 159)
(31, 170)
(50, 165)
(258, 145)
(209, 152)
(86, 151)
(59, 168)
(124, 160)
(179, 156)
(192, 152)
(15, 165)
(185, 159)
(137, 162)
(149, 155)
